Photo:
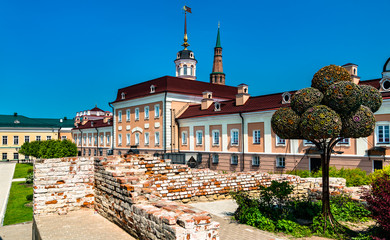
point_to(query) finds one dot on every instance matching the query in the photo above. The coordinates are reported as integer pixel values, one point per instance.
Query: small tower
(217, 76)
(185, 60)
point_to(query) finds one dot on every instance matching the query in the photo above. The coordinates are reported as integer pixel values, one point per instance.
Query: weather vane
(186, 9)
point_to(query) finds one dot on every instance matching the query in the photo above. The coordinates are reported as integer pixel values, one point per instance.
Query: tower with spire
(217, 76)
(185, 61)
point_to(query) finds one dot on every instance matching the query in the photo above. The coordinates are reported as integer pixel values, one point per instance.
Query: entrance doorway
(377, 165)
(315, 164)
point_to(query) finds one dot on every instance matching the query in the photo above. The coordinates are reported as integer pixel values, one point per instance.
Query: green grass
(21, 170)
(16, 211)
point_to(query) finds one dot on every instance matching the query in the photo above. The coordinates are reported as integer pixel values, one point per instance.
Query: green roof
(218, 44)
(20, 121)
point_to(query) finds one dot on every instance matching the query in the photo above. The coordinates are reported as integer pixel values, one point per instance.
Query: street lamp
(17, 150)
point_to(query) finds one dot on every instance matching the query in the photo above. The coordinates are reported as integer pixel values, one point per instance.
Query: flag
(187, 9)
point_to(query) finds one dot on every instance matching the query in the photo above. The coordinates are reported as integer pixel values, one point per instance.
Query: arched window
(185, 70)
(220, 79)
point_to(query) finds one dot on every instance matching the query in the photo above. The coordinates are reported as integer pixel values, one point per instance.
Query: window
(137, 114)
(344, 141)
(215, 137)
(256, 136)
(280, 162)
(5, 140)
(89, 152)
(16, 140)
(85, 140)
(119, 139)
(307, 142)
(128, 115)
(48, 137)
(255, 160)
(136, 138)
(184, 138)
(157, 138)
(119, 116)
(16, 156)
(185, 70)
(234, 137)
(27, 139)
(382, 134)
(215, 158)
(157, 111)
(146, 112)
(146, 138)
(199, 137)
(217, 106)
(38, 138)
(152, 89)
(101, 152)
(89, 140)
(108, 139)
(75, 139)
(63, 137)
(123, 95)
(94, 152)
(280, 141)
(95, 140)
(128, 139)
(234, 160)
(80, 140)
(101, 139)
(4, 156)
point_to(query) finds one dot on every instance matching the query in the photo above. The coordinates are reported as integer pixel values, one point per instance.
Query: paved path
(6, 174)
(18, 180)
(230, 229)
(22, 231)
(79, 225)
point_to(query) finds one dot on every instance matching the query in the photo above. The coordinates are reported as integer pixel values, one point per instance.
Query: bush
(49, 149)
(29, 178)
(29, 197)
(354, 177)
(380, 173)
(378, 201)
(346, 209)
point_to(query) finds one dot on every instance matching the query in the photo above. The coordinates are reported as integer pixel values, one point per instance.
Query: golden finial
(186, 44)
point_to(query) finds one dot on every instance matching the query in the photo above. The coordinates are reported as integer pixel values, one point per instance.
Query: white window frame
(255, 137)
(199, 141)
(136, 114)
(90, 140)
(108, 139)
(101, 140)
(234, 159)
(157, 138)
(146, 139)
(184, 136)
(280, 162)
(120, 116)
(232, 137)
(215, 158)
(85, 140)
(128, 139)
(280, 141)
(157, 111)
(136, 139)
(215, 138)
(38, 138)
(344, 142)
(256, 160)
(119, 139)
(146, 112)
(16, 140)
(377, 127)
(308, 143)
(48, 137)
(26, 138)
(128, 115)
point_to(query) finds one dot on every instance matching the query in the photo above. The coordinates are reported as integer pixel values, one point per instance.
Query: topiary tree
(333, 108)
(49, 149)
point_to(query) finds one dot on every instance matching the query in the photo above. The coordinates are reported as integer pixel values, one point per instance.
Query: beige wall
(255, 147)
(199, 147)
(215, 148)
(230, 147)
(187, 146)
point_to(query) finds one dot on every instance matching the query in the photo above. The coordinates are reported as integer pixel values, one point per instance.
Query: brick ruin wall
(62, 185)
(144, 195)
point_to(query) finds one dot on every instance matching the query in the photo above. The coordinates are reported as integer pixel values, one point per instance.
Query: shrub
(29, 197)
(346, 209)
(29, 178)
(378, 201)
(380, 173)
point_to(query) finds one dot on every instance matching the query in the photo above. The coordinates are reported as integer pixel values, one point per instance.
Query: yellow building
(16, 130)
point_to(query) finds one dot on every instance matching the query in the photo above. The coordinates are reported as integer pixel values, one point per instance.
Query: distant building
(17, 129)
(92, 132)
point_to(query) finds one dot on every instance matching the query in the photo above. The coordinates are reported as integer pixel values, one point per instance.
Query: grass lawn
(16, 211)
(21, 170)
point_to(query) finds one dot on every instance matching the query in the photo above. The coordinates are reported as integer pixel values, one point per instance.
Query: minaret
(217, 76)
(185, 60)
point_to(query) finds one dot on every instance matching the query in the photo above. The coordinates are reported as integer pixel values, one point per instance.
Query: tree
(49, 149)
(332, 109)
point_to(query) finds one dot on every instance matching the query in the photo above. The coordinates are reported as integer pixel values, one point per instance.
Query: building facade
(16, 130)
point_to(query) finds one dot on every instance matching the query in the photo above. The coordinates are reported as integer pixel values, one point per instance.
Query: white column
(207, 138)
(267, 136)
(191, 138)
(224, 137)
(361, 146)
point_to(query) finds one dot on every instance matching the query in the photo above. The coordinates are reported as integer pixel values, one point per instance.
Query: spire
(186, 44)
(218, 44)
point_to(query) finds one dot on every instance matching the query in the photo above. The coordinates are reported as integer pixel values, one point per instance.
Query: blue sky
(61, 57)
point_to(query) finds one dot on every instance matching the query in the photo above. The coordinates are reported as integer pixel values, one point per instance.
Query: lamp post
(17, 150)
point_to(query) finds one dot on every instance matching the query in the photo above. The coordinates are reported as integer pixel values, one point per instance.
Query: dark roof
(96, 124)
(185, 54)
(20, 121)
(96, 109)
(255, 104)
(347, 64)
(384, 66)
(176, 85)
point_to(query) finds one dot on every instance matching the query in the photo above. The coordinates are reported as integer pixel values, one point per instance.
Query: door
(378, 164)
(315, 164)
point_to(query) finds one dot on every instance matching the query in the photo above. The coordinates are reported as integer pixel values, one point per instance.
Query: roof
(255, 104)
(176, 85)
(20, 121)
(384, 66)
(218, 44)
(185, 54)
(96, 124)
(96, 109)
(348, 64)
